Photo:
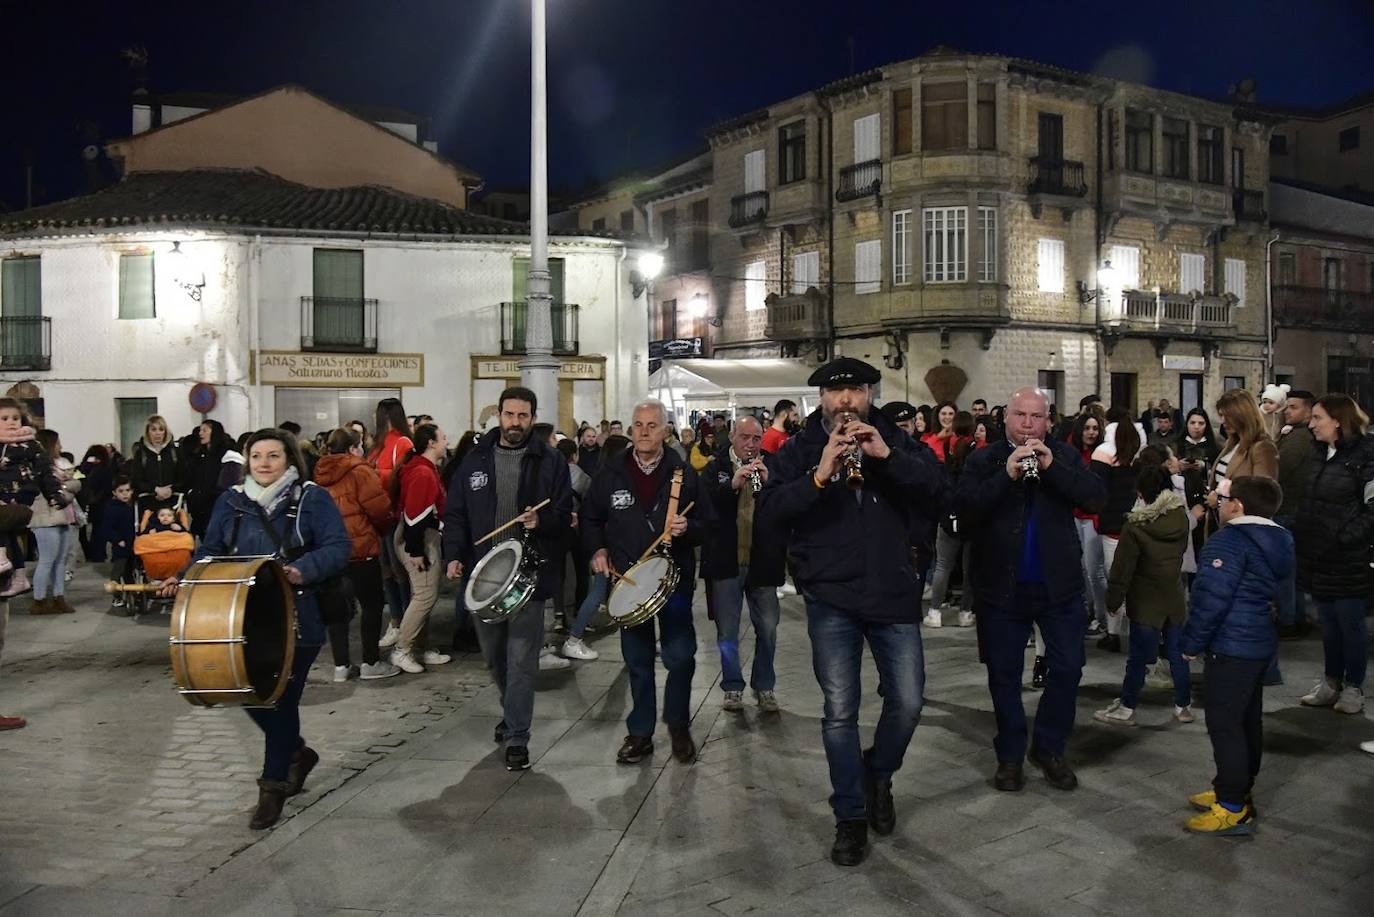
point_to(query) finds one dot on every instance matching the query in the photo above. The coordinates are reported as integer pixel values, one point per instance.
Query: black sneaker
(1110, 642)
(684, 747)
(635, 749)
(1056, 769)
(1010, 777)
(499, 736)
(1038, 673)
(851, 842)
(517, 758)
(882, 812)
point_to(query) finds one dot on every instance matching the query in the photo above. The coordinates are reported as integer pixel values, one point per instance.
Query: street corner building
(304, 261)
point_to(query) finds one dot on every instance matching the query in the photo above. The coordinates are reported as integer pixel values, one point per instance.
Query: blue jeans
(678, 642)
(596, 595)
(511, 649)
(763, 614)
(48, 579)
(281, 725)
(1143, 650)
(1345, 638)
(397, 582)
(1094, 574)
(837, 644)
(1004, 632)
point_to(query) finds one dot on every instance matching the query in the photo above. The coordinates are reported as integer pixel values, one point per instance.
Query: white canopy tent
(731, 387)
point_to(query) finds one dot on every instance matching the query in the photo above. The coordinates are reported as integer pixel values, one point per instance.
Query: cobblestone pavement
(121, 799)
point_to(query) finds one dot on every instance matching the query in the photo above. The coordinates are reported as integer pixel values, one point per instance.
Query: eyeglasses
(1223, 497)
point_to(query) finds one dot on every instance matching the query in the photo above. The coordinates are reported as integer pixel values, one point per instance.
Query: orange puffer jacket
(364, 505)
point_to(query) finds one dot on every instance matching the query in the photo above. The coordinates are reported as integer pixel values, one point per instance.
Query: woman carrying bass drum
(276, 511)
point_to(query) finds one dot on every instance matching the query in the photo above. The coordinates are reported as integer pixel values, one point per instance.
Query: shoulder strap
(292, 510)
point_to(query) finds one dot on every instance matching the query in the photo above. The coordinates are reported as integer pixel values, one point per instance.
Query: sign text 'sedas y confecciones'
(276, 368)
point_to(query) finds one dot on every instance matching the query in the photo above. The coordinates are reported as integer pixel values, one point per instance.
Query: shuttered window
(753, 172)
(868, 266)
(1192, 271)
(520, 278)
(944, 116)
(136, 296)
(806, 271)
(1050, 265)
(945, 234)
(1126, 263)
(1235, 279)
(901, 246)
(866, 131)
(987, 116)
(987, 227)
(755, 286)
(21, 288)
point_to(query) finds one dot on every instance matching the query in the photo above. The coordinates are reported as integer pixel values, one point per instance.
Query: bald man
(1016, 499)
(741, 561)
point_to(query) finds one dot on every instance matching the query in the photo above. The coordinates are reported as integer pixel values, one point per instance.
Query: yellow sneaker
(1222, 822)
(1205, 800)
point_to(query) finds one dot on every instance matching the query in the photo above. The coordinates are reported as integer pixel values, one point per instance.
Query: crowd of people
(1162, 536)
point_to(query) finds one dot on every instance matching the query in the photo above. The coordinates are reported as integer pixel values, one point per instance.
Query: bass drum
(643, 590)
(233, 632)
(503, 581)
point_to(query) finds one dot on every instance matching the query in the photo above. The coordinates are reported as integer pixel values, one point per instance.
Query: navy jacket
(993, 510)
(319, 529)
(116, 524)
(612, 517)
(854, 553)
(720, 553)
(1237, 580)
(471, 508)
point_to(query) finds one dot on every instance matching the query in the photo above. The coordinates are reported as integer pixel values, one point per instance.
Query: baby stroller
(158, 555)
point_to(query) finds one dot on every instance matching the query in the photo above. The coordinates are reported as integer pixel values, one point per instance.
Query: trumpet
(854, 457)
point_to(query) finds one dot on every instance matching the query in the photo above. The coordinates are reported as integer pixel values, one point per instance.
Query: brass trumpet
(854, 457)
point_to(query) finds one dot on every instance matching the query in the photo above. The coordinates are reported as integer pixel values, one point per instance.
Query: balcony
(747, 209)
(1249, 206)
(1323, 309)
(798, 317)
(1165, 201)
(515, 323)
(1175, 313)
(1061, 177)
(26, 343)
(338, 324)
(860, 180)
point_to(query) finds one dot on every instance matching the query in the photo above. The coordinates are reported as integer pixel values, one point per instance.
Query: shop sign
(341, 370)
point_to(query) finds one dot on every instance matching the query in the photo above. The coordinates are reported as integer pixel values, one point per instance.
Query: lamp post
(1105, 280)
(539, 367)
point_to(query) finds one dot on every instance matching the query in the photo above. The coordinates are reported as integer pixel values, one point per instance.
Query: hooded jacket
(151, 467)
(1237, 581)
(357, 492)
(1334, 526)
(1145, 572)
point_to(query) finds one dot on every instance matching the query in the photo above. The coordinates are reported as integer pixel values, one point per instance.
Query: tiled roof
(232, 199)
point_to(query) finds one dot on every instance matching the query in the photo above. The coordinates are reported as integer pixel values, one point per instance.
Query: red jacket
(392, 452)
(421, 504)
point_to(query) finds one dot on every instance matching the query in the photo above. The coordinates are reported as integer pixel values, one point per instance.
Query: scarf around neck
(268, 497)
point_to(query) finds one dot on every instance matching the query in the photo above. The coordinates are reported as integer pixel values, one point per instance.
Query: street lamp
(700, 306)
(1106, 280)
(647, 268)
(184, 273)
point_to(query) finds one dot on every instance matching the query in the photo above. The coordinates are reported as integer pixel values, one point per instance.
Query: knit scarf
(268, 497)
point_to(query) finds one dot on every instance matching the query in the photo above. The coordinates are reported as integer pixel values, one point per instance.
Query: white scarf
(267, 497)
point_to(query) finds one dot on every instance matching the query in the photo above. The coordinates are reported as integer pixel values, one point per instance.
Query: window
(755, 286)
(21, 287)
(1124, 392)
(1050, 265)
(753, 172)
(1175, 148)
(987, 116)
(1231, 382)
(136, 296)
(1331, 274)
(1140, 141)
(987, 263)
(944, 116)
(599, 224)
(901, 246)
(806, 271)
(868, 266)
(866, 131)
(1051, 382)
(627, 221)
(946, 244)
(701, 234)
(520, 274)
(1126, 263)
(1192, 272)
(1288, 269)
(1348, 139)
(667, 227)
(901, 121)
(667, 318)
(1278, 145)
(133, 414)
(791, 152)
(1209, 155)
(1234, 270)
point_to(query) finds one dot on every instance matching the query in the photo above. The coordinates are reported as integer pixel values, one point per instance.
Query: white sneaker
(549, 661)
(965, 619)
(1323, 694)
(1367, 747)
(1352, 700)
(406, 662)
(787, 588)
(343, 673)
(434, 657)
(393, 633)
(934, 618)
(734, 701)
(1116, 714)
(577, 648)
(379, 669)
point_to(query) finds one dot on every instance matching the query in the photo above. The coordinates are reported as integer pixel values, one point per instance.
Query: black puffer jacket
(150, 469)
(1334, 527)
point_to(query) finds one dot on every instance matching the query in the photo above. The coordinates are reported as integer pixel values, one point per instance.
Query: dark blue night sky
(632, 82)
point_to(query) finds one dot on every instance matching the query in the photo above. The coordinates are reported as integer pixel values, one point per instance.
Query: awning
(728, 385)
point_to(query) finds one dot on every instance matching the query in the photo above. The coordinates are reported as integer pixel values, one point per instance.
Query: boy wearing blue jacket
(1230, 623)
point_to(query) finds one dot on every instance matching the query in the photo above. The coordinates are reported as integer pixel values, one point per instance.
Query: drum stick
(132, 587)
(499, 529)
(659, 540)
(621, 576)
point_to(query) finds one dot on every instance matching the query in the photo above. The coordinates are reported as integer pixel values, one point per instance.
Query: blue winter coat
(1237, 580)
(319, 529)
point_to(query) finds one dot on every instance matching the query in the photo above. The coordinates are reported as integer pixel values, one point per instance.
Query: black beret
(897, 411)
(844, 371)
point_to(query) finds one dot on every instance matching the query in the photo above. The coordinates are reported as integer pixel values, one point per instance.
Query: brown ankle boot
(44, 607)
(67, 608)
(271, 798)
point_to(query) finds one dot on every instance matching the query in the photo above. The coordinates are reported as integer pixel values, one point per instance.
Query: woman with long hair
(1197, 452)
(391, 443)
(203, 473)
(924, 421)
(705, 449)
(942, 439)
(1333, 530)
(1114, 463)
(97, 485)
(1248, 450)
(984, 432)
(155, 467)
(278, 511)
(418, 494)
(1086, 436)
(950, 548)
(51, 527)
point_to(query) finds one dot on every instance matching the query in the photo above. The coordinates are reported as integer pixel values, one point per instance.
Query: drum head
(648, 579)
(266, 622)
(491, 578)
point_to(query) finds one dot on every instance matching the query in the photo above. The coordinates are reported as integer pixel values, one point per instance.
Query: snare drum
(654, 579)
(504, 580)
(233, 632)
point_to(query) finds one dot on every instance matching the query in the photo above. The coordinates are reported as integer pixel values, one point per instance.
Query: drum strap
(674, 494)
